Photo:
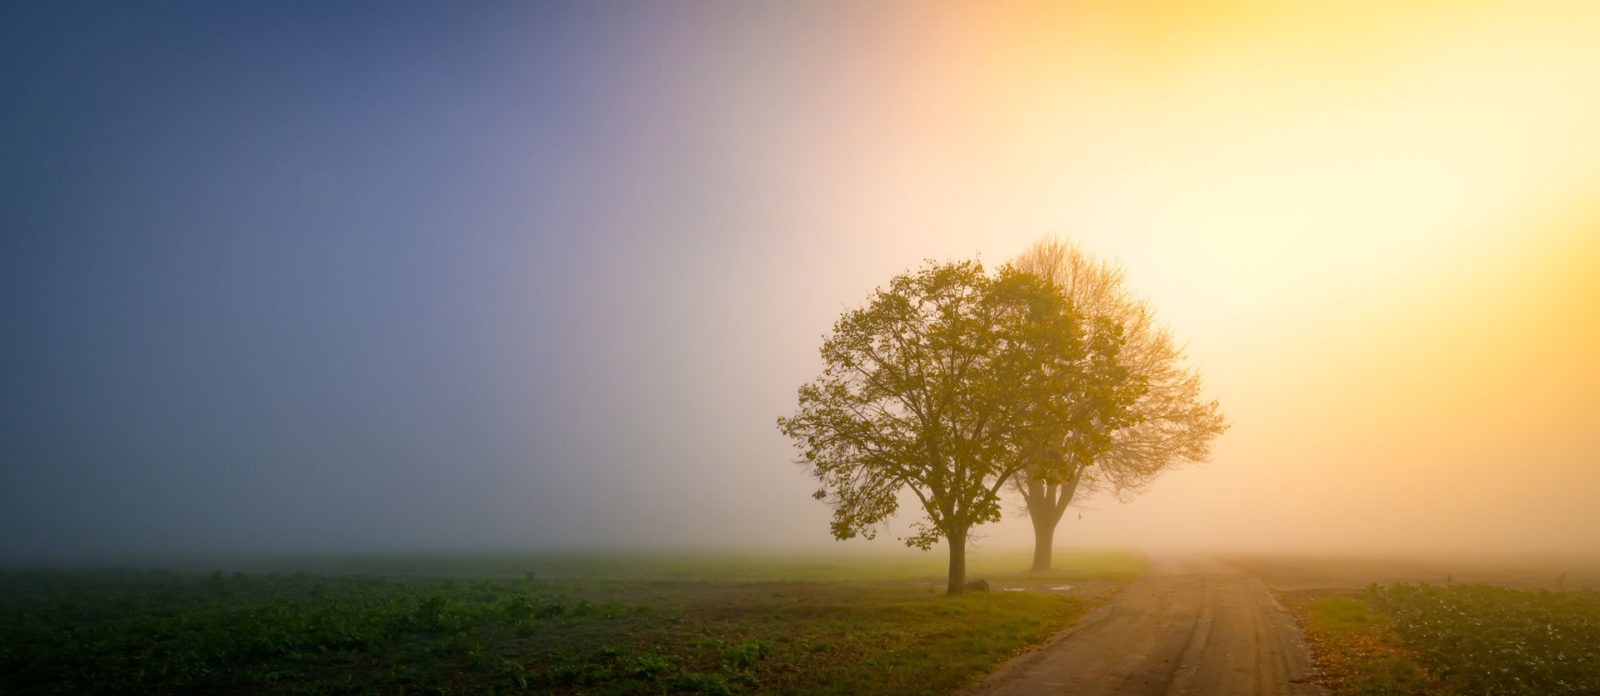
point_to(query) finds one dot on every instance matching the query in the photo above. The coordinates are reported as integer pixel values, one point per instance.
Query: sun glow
(1371, 221)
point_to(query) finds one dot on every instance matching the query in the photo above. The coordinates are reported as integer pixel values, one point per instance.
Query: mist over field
(329, 278)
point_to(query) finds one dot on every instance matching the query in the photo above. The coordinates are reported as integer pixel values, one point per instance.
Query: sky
(327, 277)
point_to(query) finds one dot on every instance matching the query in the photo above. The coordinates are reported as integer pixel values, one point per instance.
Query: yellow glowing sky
(1374, 223)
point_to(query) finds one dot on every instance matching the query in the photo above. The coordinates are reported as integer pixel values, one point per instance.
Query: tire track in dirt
(1190, 626)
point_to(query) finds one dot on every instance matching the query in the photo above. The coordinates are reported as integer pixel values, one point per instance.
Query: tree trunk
(1044, 534)
(958, 564)
(1046, 504)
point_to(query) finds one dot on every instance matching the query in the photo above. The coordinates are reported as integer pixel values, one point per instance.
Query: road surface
(1190, 626)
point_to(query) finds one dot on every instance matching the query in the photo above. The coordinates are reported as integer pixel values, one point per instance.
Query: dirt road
(1191, 626)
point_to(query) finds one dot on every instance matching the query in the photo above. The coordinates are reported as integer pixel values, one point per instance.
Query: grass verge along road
(1459, 639)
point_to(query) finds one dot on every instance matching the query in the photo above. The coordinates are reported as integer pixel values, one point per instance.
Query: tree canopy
(946, 384)
(1166, 425)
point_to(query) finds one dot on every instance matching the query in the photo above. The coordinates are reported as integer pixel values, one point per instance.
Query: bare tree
(1171, 424)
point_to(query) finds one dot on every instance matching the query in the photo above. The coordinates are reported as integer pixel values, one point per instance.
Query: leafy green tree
(944, 385)
(1167, 425)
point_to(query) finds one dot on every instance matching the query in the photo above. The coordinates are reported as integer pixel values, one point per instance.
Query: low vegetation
(1357, 650)
(629, 631)
(1461, 639)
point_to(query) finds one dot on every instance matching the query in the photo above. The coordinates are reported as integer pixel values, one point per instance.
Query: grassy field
(852, 565)
(570, 623)
(1460, 639)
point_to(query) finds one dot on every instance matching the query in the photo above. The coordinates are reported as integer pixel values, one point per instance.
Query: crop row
(1493, 641)
(157, 632)
(163, 633)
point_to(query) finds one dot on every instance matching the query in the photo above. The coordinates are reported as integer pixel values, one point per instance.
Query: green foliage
(702, 684)
(1393, 675)
(840, 563)
(157, 632)
(744, 654)
(648, 665)
(1357, 652)
(138, 632)
(1492, 640)
(943, 384)
(1346, 615)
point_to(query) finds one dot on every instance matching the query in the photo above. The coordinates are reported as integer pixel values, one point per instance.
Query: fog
(330, 278)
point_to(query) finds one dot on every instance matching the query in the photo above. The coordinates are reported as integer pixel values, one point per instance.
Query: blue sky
(331, 276)
(307, 267)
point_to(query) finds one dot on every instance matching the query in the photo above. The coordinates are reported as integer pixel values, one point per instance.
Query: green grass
(1462, 639)
(1356, 648)
(722, 566)
(646, 624)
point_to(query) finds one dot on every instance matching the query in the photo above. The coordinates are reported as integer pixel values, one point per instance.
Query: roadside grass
(651, 626)
(1461, 639)
(1356, 649)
